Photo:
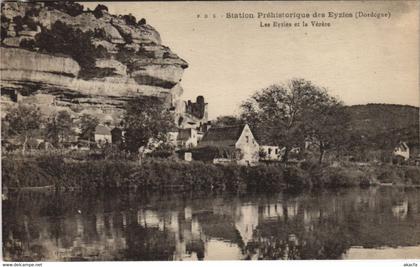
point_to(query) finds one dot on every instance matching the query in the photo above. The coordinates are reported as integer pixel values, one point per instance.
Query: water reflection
(329, 225)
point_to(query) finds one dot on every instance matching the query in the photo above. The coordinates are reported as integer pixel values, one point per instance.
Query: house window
(277, 151)
(247, 138)
(269, 151)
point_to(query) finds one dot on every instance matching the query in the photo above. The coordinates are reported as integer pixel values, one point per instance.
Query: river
(373, 223)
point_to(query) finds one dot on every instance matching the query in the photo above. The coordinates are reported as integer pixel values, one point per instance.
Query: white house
(271, 153)
(402, 150)
(187, 138)
(103, 134)
(268, 150)
(238, 141)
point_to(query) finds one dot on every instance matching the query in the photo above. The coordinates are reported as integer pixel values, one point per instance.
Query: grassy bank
(70, 174)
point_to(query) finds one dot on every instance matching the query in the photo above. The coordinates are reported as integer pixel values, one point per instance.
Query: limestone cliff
(122, 59)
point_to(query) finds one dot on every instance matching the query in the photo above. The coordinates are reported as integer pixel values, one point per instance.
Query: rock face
(133, 62)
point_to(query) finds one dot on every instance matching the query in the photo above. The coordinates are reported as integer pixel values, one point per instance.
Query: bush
(160, 154)
(69, 7)
(141, 22)
(388, 176)
(18, 21)
(99, 33)
(342, 177)
(66, 40)
(296, 178)
(263, 178)
(27, 44)
(99, 9)
(130, 19)
(412, 174)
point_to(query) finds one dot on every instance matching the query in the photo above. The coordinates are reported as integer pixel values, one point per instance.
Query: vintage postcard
(229, 130)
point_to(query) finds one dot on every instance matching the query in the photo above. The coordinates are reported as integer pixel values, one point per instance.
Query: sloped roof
(101, 129)
(222, 135)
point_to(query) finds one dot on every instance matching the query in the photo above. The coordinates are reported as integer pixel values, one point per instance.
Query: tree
(325, 124)
(59, 127)
(99, 11)
(69, 7)
(130, 19)
(291, 112)
(146, 118)
(23, 121)
(64, 39)
(223, 121)
(88, 125)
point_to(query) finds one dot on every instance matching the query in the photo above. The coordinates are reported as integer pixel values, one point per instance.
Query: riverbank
(157, 174)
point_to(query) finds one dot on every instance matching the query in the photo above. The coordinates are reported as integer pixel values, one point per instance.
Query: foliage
(264, 178)
(59, 127)
(130, 19)
(223, 121)
(377, 127)
(66, 40)
(70, 7)
(292, 112)
(145, 118)
(326, 123)
(111, 168)
(99, 9)
(88, 124)
(142, 21)
(26, 20)
(28, 44)
(3, 33)
(23, 120)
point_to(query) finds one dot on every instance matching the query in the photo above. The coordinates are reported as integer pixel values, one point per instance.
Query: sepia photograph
(212, 131)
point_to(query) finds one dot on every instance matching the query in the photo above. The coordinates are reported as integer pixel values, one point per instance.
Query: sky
(365, 60)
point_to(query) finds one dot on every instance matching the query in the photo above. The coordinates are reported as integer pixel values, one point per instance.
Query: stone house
(187, 138)
(402, 150)
(268, 150)
(103, 134)
(239, 140)
(190, 114)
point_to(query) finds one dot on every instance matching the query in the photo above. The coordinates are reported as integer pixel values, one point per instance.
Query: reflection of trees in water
(219, 226)
(148, 244)
(197, 247)
(290, 239)
(306, 226)
(337, 222)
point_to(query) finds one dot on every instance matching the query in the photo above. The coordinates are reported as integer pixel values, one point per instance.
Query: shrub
(296, 178)
(341, 177)
(99, 9)
(99, 33)
(160, 154)
(19, 23)
(28, 44)
(130, 19)
(388, 176)
(413, 174)
(69, 7)
(142, 21)
(29, 21)
(263, 178)
(69, 41)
